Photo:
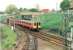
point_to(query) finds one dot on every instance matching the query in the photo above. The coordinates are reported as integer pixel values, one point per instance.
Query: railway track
(22, 42)
(32, 43)
(44, 36)
(49, 39)
(25, 41)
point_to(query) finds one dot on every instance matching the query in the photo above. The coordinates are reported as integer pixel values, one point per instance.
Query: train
(29, 20)
(52, 21)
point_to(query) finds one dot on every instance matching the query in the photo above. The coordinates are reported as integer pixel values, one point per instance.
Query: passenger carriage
(29, 20)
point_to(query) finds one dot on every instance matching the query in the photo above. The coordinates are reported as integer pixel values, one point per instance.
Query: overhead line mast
(69, 24)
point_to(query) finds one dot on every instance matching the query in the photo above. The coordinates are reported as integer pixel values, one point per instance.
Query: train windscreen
(26, 17)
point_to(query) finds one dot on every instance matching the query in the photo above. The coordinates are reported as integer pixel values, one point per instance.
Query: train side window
(26, 17)
(22, 16)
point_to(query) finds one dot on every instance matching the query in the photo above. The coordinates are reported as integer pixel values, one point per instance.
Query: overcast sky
(50, 4)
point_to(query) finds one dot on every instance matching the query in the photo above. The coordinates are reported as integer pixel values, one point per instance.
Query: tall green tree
(65, 4)
(11, 9)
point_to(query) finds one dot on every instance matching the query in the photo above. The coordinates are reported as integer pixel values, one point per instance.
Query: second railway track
(47, 37)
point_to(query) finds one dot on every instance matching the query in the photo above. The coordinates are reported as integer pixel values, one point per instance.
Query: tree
(25, 9)
(65, 5)
(11, 9)
(21, 9)
(33, 10)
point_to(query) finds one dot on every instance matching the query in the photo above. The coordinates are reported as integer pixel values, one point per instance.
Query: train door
(34, 21)
(37, 22)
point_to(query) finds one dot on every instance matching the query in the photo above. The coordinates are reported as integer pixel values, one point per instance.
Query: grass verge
(8, 38)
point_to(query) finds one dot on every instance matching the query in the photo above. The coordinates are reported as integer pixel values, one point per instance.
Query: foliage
(2, 18)
(11, 9)
(65, 5)
(25, 9)
(33, 10)
(51, 20)
(9, 38)
(21, 9)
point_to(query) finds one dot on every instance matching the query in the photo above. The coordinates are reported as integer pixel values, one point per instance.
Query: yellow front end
(36, 26)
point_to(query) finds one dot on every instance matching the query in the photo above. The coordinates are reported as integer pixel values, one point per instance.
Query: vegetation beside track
(51, 20)
(8, 37)
(2, 18)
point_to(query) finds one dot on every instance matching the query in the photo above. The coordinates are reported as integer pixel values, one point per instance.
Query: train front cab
(31, 21)
(36, 22)
(36, 25)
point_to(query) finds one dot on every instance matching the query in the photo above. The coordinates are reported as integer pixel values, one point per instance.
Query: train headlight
(34, 26)
(39, 26)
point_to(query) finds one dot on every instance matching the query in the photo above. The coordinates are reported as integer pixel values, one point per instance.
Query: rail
(25, 42)
(44, 36)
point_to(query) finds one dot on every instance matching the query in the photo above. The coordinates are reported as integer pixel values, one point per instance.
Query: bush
(9, 37)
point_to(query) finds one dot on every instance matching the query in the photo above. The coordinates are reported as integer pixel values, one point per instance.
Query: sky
(43, 4)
